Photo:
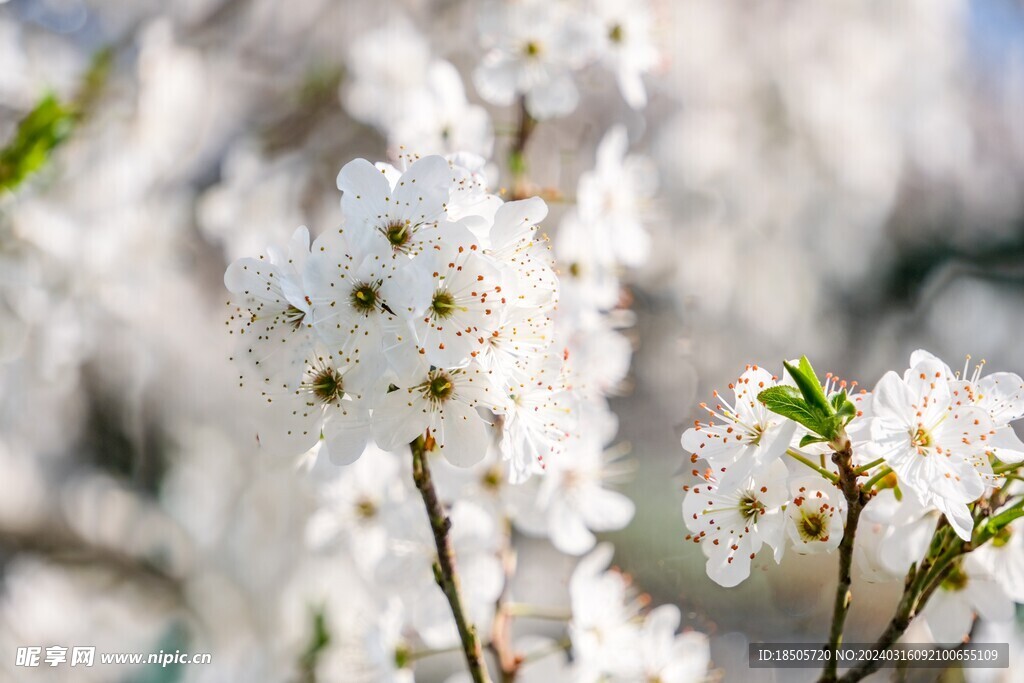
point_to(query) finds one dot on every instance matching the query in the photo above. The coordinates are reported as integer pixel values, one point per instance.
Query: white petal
(604, 510)
(462, 434)
(495, 79)
(556, 97)
(568, 532)
(423, 190)
(365, 189)
(399, 418)
(345, 435)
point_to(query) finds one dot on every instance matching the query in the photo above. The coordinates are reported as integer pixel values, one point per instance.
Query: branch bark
(445, 572)
(854, 504)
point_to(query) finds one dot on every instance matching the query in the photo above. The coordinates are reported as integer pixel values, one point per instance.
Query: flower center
(294, 316)
(615, 34)
(757, 431)
(366, 509)
(398, 233)
(921, 440)
(327, 385)
(750, 507)
(443, 304)
(491, 479)
(532, 48)
(439, 388)
(364, 298)
(811, 527)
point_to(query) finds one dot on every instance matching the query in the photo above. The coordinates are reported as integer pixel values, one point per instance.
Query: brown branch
(445, 572)
(61, 545)
(517, 154)
(855, 499)
(501, 630)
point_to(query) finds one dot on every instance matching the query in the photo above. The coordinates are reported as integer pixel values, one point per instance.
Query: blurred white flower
(533, 48)
(573, 492)
(445, 122)
(628, 50)
(966, 593)
(605, 614)
(669, 657)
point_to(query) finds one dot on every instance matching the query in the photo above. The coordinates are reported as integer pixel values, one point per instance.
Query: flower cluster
(405, 322)
(432, 315)
(925, 456)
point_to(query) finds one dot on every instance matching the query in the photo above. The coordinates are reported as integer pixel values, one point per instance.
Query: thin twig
(796, 455)
(445, 573)
(854, 503)
(501, 630)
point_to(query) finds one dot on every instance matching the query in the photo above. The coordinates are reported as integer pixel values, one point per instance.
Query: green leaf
(837, 400)
(786, 401)
(809, 384)
(45, 127)
(809, 439)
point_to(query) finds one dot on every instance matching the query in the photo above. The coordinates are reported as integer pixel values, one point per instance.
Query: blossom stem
(855, 499)
(501, 629)
(445, 572)
(870, 465)
(919, 585)
(559, 646)
(1006, 467)
(796, 455)
(517, 154)
(519, 609)
(878, 476)
(423, 654)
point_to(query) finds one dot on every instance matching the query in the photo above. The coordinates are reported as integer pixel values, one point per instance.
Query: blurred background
(843, 180)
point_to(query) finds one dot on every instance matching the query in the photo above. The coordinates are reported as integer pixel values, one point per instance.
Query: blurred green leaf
(319, 640)
(49, 124)
(45, 127)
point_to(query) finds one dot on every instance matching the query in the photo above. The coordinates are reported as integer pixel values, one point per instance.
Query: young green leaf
(808, 439)
(786, 401)
(807, 381)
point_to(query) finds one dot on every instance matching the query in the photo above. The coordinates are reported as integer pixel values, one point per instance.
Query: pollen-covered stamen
(365, 298)
(293, 316)
(439, 386)
(615, 33)
(749, 507)
(921, 440)
(326, 384)
(726, 413)
(443, 305)
(968, 376)
(398, 233)
(812, 526)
